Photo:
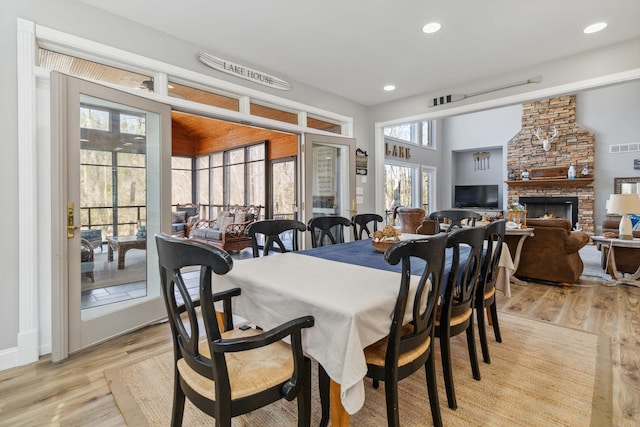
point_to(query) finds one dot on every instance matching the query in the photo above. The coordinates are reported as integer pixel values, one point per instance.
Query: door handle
(71, 228)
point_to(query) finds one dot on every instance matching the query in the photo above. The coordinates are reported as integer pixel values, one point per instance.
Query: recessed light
(594, 28)
(431, 28)
(389, 88)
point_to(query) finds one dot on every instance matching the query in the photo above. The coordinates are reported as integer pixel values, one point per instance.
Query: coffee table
(612, 243)
(122, 244)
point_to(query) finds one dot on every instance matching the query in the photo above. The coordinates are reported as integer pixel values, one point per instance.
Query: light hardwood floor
(75, 392)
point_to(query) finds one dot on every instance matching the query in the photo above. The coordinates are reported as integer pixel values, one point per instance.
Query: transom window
(418, 133)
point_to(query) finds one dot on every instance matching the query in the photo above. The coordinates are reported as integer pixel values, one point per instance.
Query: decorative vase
(572, 172)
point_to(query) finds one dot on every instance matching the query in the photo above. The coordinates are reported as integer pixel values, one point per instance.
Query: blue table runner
(360, 252)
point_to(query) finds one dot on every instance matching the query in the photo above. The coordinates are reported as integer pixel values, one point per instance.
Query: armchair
(228, 230)
(183, 219)
(552, 253)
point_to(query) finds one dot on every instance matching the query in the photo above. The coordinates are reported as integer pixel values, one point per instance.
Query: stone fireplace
(573, 146)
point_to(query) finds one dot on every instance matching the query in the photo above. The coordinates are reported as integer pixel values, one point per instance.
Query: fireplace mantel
(575, 182)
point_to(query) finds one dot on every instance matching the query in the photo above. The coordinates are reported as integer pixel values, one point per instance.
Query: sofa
(551, 255)
(228, 230)
(627, 259)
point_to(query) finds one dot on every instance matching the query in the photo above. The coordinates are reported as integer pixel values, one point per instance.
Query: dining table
(348, 288)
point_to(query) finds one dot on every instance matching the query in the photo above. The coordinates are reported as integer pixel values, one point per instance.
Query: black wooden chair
(408, 347)
(226, 372)
(456, 216)
(86, 259)
(455, 313)
(486, 290)
(360, 224)
(271, 230)
(327, 230)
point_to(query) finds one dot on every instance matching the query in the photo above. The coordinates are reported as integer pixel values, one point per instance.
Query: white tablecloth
(505, 271)
(352, 306)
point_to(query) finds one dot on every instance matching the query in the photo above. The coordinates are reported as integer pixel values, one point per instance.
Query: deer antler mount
(546, 142)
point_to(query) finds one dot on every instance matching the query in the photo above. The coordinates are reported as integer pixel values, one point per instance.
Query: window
(177, 90)
(427, 188)
(232, 177)
(408, 185)
(398, 185)
(418, 133)
(93, 70)
(92, 118)
(181, 180)
(132, 124)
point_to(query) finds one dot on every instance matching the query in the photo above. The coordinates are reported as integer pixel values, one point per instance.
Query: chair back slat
(360, 224)
(465, 269)
(173, 256)
(432, 251)
(494, 237)
(327, 230)
(456, 217)
(271, 229)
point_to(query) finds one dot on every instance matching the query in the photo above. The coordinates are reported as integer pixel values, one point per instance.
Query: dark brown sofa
(551, 254)
(627, 259)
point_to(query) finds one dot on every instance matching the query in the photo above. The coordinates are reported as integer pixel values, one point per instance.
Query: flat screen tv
(476, 196)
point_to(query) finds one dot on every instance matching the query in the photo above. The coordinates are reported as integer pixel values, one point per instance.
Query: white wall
(613, 114)
(488, 130)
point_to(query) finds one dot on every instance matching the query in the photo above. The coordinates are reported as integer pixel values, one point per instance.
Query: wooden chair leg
(447, 370)
(432, 388)
(323, 387)
(473, 355)
(391, 396)
(178, 401)
(482, 331)
(304, 398)
(496, 326)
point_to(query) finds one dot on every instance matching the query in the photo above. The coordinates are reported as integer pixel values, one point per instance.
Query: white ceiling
(353, 48)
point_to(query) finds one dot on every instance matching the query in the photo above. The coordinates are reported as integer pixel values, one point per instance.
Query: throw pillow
(635, 221)
(239, 218)
(178, 217)
(225, 219)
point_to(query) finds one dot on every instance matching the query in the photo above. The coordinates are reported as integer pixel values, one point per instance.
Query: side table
(523, 233)
(612, 243)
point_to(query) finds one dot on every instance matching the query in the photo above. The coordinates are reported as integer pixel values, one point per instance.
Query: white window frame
(416, 134)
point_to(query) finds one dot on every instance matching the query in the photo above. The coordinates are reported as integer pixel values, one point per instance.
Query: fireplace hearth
(560, 207)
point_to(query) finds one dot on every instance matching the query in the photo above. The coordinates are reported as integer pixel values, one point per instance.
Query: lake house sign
(243, 72)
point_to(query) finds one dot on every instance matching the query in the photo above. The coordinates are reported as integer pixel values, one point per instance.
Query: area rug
(590, 256)
(540, 375)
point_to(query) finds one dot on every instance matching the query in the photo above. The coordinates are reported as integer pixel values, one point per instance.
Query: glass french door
(330, 177)
(283, 203)
(116, 152)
